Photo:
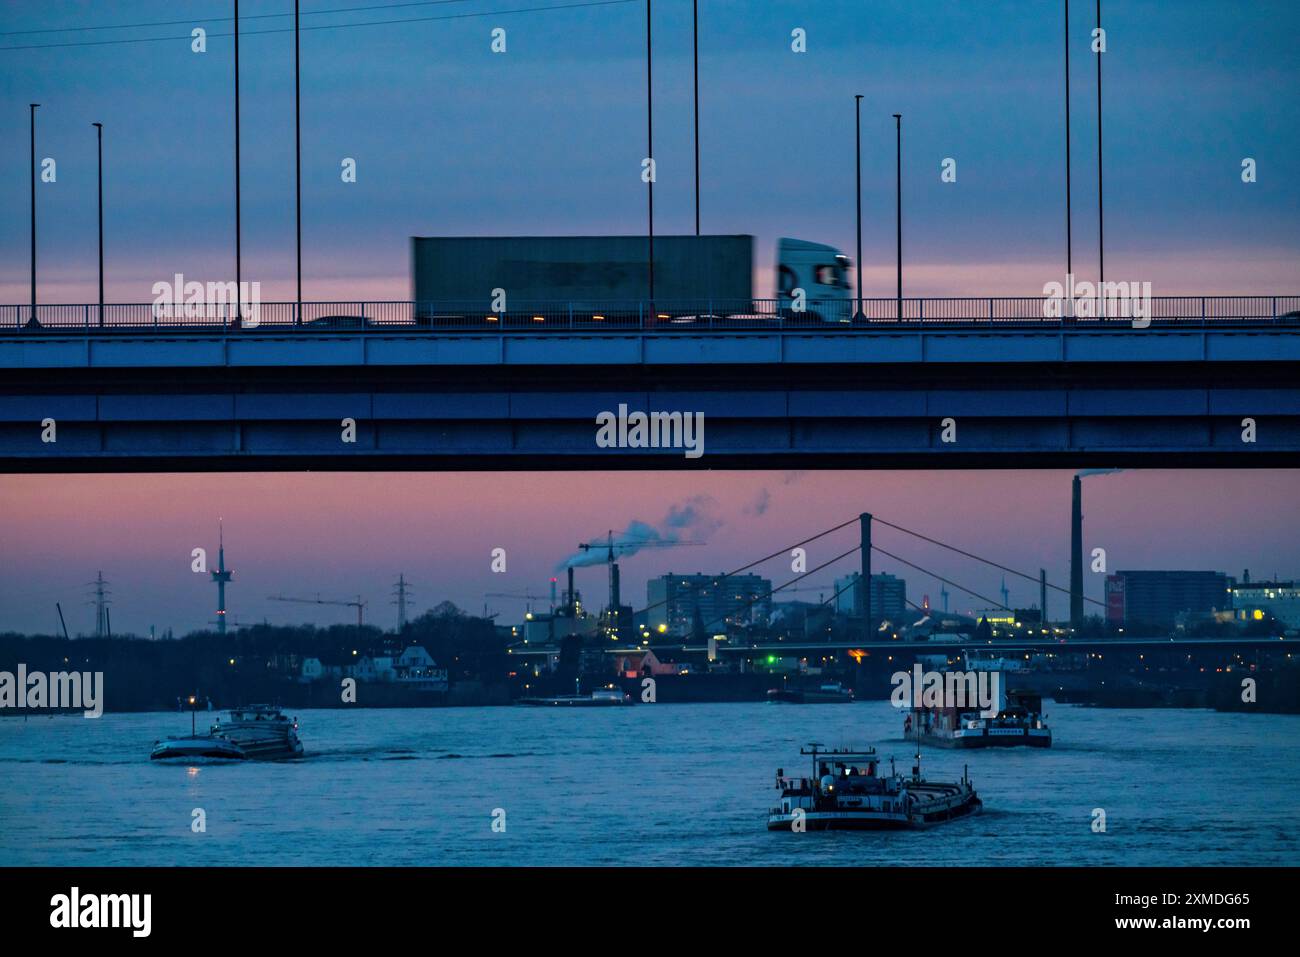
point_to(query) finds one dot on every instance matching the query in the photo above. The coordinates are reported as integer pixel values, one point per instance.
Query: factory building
(888, 596)
(1157, 598)
(1257, 601)
(685, 603)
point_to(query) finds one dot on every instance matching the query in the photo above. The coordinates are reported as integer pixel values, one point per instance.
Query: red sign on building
(1115, 599)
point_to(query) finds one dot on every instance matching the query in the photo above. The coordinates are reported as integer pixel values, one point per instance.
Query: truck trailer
(605, 278)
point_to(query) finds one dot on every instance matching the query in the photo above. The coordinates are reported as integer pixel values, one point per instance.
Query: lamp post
(1069, 226)
(297, 151)
(239, 288)
(898, 204)
(32, 123)
(695, 30)
(99, 137)
(857, 131)
(650, 152)
(1101, 241)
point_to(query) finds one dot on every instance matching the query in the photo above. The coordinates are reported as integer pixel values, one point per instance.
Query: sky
(546, 138)
(450, 138)
(339, 535)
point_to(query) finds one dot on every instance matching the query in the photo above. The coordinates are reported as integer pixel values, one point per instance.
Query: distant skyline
(548, 137)
(343, 534)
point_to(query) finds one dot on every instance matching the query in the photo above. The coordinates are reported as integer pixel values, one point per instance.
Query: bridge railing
(1028, 312)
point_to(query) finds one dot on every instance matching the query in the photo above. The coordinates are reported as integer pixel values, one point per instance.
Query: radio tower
(221, 576)
(402, 590)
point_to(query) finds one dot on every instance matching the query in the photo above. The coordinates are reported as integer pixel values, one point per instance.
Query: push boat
(1018, 723)
(830, 693)
(261, 732)
(846, 793)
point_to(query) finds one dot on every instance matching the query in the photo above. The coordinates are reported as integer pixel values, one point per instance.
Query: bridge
(896, 383)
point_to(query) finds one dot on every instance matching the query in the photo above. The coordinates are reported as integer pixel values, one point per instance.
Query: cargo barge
(1018, 723)
(845, 793)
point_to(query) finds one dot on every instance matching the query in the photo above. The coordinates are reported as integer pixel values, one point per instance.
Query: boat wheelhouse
(261, 732)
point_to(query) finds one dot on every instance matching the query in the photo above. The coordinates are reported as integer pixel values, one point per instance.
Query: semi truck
(597, 278)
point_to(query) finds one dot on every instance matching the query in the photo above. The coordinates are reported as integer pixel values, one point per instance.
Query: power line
(328, 26)
(255, 16)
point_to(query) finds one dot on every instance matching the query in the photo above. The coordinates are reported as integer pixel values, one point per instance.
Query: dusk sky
(547, 138)
(342, 534)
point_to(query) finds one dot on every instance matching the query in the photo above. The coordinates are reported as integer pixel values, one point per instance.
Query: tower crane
(359, 605)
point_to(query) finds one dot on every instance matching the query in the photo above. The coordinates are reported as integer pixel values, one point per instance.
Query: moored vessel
(846, 792)
(1018, 722)
(600, 698)
(831, 692)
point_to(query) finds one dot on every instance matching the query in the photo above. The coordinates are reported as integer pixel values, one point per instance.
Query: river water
(645, 785)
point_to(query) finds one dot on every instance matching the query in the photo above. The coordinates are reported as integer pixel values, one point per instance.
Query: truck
(603, 279)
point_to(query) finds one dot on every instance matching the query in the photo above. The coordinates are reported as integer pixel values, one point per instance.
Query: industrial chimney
(1076, 554)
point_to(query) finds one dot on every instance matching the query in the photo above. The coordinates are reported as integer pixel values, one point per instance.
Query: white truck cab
(822, 272)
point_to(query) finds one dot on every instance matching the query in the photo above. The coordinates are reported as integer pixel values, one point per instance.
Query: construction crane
(528, 596)
(359, 605)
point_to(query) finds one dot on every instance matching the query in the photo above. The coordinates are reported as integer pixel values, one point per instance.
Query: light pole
(297, 150)
(239, 289)
(650, 152)
(1101, 241)
(33, 139)
(898, 204)
(857, 131)
(695, 30)
(99, 137)
(1069, 227)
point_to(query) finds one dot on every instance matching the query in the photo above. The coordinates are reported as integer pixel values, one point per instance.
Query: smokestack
(573, 599)
(1076, 554)
(614, 598)
(864, 580)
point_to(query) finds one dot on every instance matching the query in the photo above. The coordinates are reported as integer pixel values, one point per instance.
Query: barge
(1018, 723)
(846, 792)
